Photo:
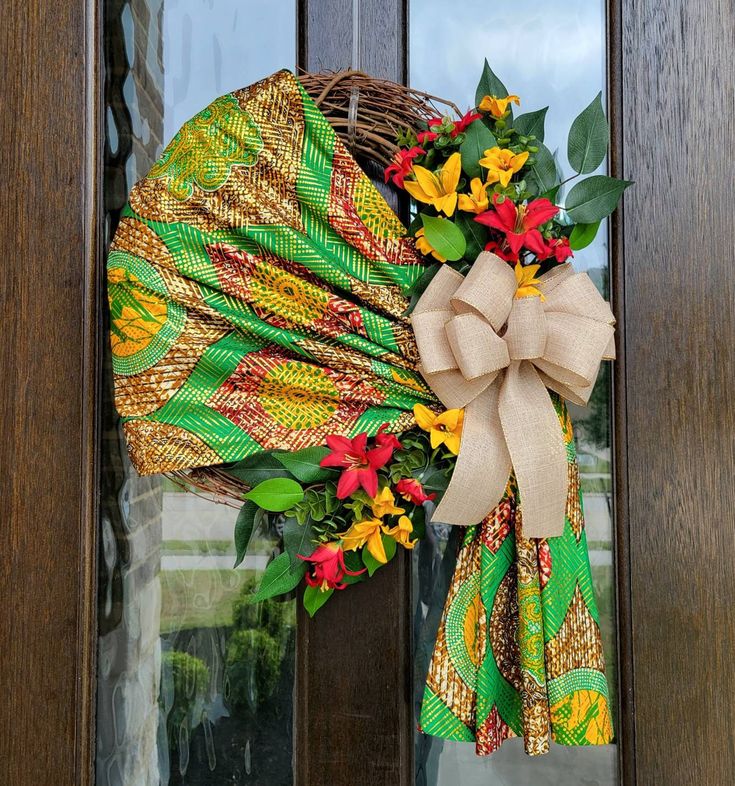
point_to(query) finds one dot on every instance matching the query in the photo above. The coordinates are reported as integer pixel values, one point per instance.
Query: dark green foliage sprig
(295, 493)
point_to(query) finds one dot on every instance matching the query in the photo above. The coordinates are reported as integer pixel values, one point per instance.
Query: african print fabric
(256, 285)
(519, 651)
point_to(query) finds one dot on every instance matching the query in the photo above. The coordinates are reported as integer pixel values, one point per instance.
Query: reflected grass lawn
(197, 547)
(199, 598)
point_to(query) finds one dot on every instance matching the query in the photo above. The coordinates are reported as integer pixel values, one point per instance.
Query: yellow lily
(401, 532)
(384, 504)
(477, 201)
(423, 245)
(525, 278)
(502, 164)
(497, 106)
(366, 533)
(437, 190)
(444, 429)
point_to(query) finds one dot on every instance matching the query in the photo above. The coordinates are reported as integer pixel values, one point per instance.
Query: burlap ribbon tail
(497, 355)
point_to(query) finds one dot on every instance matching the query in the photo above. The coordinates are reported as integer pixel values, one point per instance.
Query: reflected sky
(553, 59)
(548, 54)
(212, 47)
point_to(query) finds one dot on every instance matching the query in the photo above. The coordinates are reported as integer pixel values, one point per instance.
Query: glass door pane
(551, 54)
(193, 686)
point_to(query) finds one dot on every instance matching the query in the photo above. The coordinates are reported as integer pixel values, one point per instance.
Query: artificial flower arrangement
(484, 181)
(347, 506)
(487, 181)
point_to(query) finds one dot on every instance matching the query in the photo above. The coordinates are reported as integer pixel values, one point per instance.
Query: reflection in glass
(550, 54)
(194, 685)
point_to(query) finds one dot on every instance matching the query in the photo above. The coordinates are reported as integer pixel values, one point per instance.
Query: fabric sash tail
(519, 648)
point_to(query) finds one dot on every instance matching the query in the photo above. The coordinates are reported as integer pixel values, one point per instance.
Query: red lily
(559, 247)
(382, 439)
(519, 223)
(412, 491)
(402, 163)
(328, 567)
(460, 126)
(501, 252)
(360, 464)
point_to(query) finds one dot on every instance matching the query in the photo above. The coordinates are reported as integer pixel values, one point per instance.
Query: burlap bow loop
(495, 354)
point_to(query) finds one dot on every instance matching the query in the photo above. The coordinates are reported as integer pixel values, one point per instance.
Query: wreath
(282, 343)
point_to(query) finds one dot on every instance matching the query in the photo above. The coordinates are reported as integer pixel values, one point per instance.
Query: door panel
(677, 127)
(553, 54)
(194, 685)
(354, 721)
(48, 296)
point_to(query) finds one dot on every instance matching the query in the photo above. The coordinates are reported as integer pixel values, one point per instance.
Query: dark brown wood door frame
(677, 423)
(672, 77)
(354, 714)
(50, 182)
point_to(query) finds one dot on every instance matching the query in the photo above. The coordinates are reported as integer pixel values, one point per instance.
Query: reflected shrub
(272, 616)
(184, 684)
(253, 665)
(256, 650)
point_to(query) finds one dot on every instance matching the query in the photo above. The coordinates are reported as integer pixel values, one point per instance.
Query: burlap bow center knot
(496, 355)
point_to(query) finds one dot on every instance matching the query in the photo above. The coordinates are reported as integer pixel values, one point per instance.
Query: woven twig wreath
(367, 114)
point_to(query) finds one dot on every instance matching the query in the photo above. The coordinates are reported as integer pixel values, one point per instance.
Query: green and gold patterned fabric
(257, 286)
(519, 650)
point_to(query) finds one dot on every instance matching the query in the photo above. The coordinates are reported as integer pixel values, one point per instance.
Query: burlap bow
(484, 349)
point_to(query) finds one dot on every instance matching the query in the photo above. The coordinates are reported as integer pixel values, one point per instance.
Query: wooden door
(671, 106)
(357, 654)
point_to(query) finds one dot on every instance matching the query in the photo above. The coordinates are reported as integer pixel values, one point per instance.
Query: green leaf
(531, 123)
(371, 563)
(489, 85)
(418, 520)
(582, 235)
(354, 563)
(594, 198)
(478, 139)
(444, 237)
(279, 578)
(436, 480)
(588, 138)
(253, 469)
(552, 193)
(415, 224)
(244, 530)
(297, 539)
(276, 494)
(304, 464)
(314, 599)
(475, 235)
(542, 175)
